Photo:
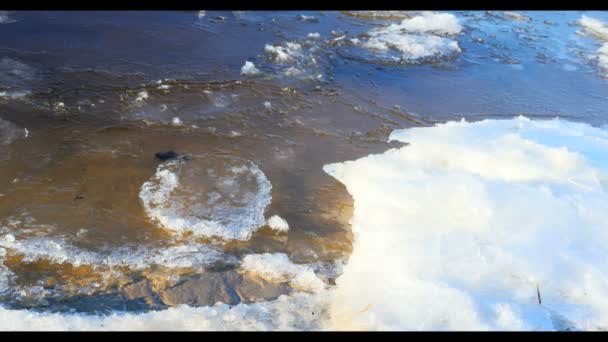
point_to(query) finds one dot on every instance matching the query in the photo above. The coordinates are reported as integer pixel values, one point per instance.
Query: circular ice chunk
(212, 196)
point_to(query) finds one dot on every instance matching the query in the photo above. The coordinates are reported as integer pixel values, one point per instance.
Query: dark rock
(201, 290)
(140, 296)
(140, 289)
(252, 290)
(166, 155)
(228, 287)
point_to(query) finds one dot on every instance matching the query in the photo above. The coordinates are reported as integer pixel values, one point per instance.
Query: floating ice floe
(212, 196)
(381, 14)
(516, 16)
(284, 54)
(176, 121)
(249, 69)
(308, 18)
(142, 96)
(298, 60)
(278, 223)
(594, 27)
(599, 30)
(424, 38)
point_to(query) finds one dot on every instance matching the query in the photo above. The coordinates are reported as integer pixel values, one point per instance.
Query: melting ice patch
(381, 14)
(249, 69)
(423, 38)
(594, 27)
(277, 267)
(599, 30)
(299, 60)
(5, 18)
(429, 22)
(9, 132)
(284, 54)
(412, 47)
(59, 251)
(212, 196)
(300, 311)
(465, 223)
(516, 16)
(278, 223)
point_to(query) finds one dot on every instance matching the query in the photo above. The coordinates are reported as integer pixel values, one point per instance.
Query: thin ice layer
(5, 18)
(58, 251)
(9, 132)
(472, 224)
(211, 196)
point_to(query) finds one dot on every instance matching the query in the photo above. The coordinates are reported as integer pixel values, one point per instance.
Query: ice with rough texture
(283, 54)
(382, 14)
(276, 267)
(59, 251)
(413, 47)
(142, 96)
(465, 223)
(278, 223)
(594, 27)
(599, 30)
(516, 16)
(418, 39)
(249, 69)
(301, 59)
(212, 196)
(300, 311)
(430, 22)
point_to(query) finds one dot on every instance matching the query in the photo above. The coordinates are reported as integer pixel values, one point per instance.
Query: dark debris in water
(171, 155)
(166, 155)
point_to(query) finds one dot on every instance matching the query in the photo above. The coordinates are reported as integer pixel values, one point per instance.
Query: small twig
(538, 294)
